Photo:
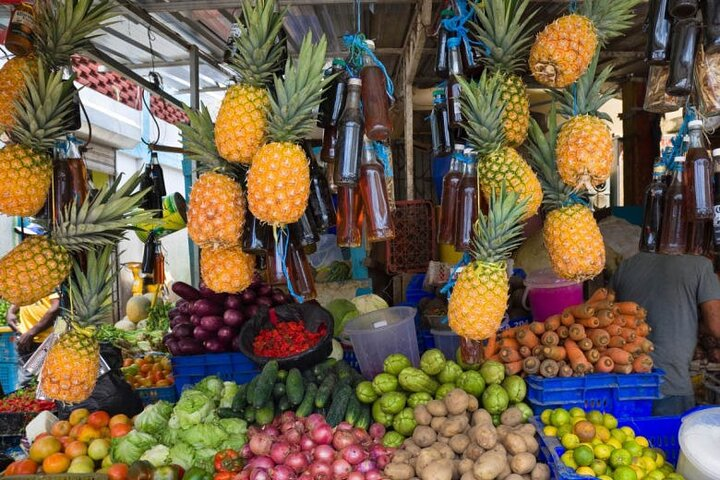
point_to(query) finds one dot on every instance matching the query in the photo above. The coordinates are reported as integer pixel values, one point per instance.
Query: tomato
(228, 461)
(156, 367)
(145, 368)
(118, 471)
(22, 467)
(56, 463)
(127, 362)
(163, 383)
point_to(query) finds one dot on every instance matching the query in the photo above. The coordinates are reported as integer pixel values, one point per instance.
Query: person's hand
(25, 341)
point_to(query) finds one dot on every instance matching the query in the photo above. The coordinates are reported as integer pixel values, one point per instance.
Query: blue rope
(575, 102)
(575, 199)
(573, 6)
(462, 158)
(284, 251)
(457, 23)
(382, 152)
(357, 46)
(447, 288)
(677, 149)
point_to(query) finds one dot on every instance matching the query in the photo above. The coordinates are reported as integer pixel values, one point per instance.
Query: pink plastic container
(548, 294)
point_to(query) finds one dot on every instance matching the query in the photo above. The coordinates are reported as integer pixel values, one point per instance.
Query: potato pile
(456, 440)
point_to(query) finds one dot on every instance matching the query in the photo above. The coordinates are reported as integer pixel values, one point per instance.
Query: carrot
(561, 363)
(625, 369)
(605, 318)
(527, 338)
(643, 330)
(592, 355)
(628, 308)
(550, 339)
(567, 319)
(509, 343)
(619, 356)
(513, 368)
(582, 311)
(537, 351)
(647, 346)
(531, 365)
(509, 333)
(616, 341)
(642, 364)
(495, 358)
(604, 365)
(491, 349)
(634, 347)
(614, 330)
(554, 353)
(538, 328)
(630, 320)
(611, 296)
(578, 362)
(642, 313)
(598, 295)
(577, 332)
(599, 337)
(585, 344)
(620, 321)
(549, 368)
(591, 322)
(602, 305)
(552, 323)
(563, 332)
(628, 334)
(565, 371)
(509, 355)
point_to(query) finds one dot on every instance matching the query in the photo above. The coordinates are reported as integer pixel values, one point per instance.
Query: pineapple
(508, 37)
(12, 84)
(242, 120)
(584, 147)
(498, 163)
(40, 117)
(570, 232)
(34, 268)
(278, 182)
(564, 49)
(227, 270)
(71, 367)
(479, 297)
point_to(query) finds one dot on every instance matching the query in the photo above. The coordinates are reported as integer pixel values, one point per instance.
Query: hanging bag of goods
(707, 78)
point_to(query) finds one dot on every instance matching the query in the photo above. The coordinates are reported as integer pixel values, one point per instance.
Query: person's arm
(711, 316)
(11, 317)
(45, 322)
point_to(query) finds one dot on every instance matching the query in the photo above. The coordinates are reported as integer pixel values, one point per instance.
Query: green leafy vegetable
(129, 448)
(154, 419)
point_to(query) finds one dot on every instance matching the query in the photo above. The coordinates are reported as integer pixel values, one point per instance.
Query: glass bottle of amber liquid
(300, 272)
(19, 37)
(274, 261)
(349, 216)
(466, 212)
(70, 178)
(449, 200)
(373, 191)
(349, 143)
(673, 240)
(375, 100)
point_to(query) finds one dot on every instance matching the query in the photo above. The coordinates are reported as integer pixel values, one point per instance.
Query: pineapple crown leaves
(499, 232)
(257, 52)
(609, 17)
(104, 219)
(298, 94)
(482, 107)
(65, 27)
(42, 112)
(505, 31)
(586, 96)
(91, 288)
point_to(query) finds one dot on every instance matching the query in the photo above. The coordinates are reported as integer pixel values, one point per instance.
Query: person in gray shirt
(677, 291)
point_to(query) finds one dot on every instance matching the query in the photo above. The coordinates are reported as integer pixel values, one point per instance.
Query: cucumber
(322, 369)
(295, 387)
(306, 406)
(279, 390)
(226, 413)
(353, 411)
(309, 376)
(240, 398)
(251, 389)
(365, 417)
(283, 404)
(264, 415)
(339, 404)
(282, 375)
(250, 414)
(265, 383)
(325, 390)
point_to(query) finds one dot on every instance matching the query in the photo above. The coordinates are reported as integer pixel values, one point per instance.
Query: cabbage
(182, 454)
(154, 418)
(229, 391)
(193, 408)
(204, 459)
(205, 435)
(170, 436)
(158, 455)
(369, 303)
(211, 386)
(233, 426)
(236, 442)
(129, 448)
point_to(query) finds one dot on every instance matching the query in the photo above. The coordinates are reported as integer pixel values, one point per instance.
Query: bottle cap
(659, 168)
(447, 12)
(459, 147)
(453, 42)
(339, 62)
(438, 92)
(355, 81)
(679, 159)
(694, 124)
(716, 152)
(370, 44)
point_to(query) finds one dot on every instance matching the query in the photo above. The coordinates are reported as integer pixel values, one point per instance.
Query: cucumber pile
(327, 388)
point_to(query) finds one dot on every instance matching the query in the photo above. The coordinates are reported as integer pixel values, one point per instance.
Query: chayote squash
(420, 398)
(379, 416)
(384, 382)
(471, 382)
(450, 372)
(392, 402)
(395, 363)
(432, 361)
(404, 422)
(444, 389)
(415, 380)
(365, 392)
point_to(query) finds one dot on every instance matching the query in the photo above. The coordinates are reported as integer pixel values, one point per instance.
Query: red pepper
(286, 339)
(228, 461)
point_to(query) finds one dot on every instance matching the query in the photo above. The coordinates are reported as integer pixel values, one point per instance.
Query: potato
(425, 458)
(485, 436)
(523, 463)
(442, 439)
(531, 444)
(473, 403)
(464, 465)
(502, 431)
(439, 470)
(527, 430)
(473, 451)
(401, 456)
(481, 417)
(459, 443)
(436, 408)
(511, 417)
(515, 443)
(422, 416)
(437, 423)
(424, 436)
(454, 425)
(514, 476)
(410, 446)
(506, 471)
(399, 471)
(456, 401)
(468, 476)
(489, 466)
(540, 472)
(445, 450)
(499, 448)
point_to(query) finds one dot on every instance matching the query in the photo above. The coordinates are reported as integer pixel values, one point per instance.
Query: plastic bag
(683, 8)
(707, 86)
(711, 24)
(659, 26)
(656, 100)
(682, 57)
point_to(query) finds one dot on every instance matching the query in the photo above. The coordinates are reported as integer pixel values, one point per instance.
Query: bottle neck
(696, 139)
(469, 169)
(454, 65)
(455, 165)
(368, 156)
(368, 61)
(353, 98)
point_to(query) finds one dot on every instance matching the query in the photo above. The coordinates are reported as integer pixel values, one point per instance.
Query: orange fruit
(56, 463)
(99, 419)
(87, 433)
(117, 471)
(584, 430)
(60, 428)
(76, 449)
(22, 467)
(119, 430)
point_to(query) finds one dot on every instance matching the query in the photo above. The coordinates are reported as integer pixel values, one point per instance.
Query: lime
(585, 471)
(602, 451)
(629, 432)
(598, 466)
(666, 468)
(605, 477)
(545, 416)
(609, 421)
(650, 453)
(595, 417)
(596, 441)
(577, 412)
(632, 447)
(614, 443)
(550, 431)
(583, 456)
(567, 428)
(575, 420)
(620, 457)
(648, 464)
(560, 417)
(567, 459)
(602, 432)
(675, 476)
(619, 435)
(624, 473)
(655, 475)
(638, 471)
(642, 441)
(570, 441)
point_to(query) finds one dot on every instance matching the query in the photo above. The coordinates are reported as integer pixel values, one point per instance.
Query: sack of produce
(707, 73)
(656, 100)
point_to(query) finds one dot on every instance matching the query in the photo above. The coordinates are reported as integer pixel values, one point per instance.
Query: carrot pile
(600, 336)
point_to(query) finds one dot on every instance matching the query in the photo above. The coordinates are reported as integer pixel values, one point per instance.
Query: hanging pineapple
(34, 268)
(570, 232)
(41, 118)
(242, 120)
(278, 182)
(480, 295)
(61, 28)
(584, 149)
(507, 36)
(227, 269)
(70, 370)
(483, 110)
(564, 49)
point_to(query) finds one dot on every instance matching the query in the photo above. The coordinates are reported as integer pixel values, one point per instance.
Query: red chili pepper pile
(24, 401)
(286, 339)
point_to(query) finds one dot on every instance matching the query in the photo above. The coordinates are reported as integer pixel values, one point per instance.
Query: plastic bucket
(378, 334)
(548, 294)
(699, 439)
(447, 341)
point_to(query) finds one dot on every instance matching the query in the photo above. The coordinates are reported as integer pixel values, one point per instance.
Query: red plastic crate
(414, 245)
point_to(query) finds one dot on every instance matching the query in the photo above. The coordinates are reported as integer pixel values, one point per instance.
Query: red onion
(292, 436)
(264, 290)
(259, 474)
(263, 461)
(244, 475)
(356, 476)
(362, 436)
(345, 427)
(272, 431)
(365, 466)
(377, 450)
(322, 434)
(260, 444)
(382, 461)
(297, 461)
(246, 453)
(341, 469)
(279, 452)
(354, 454)
(377, 430)
(323, 453)
(305, 476)
(314, 421)
(287, 417)
(306, 444)
(321, 471)
(342, 439)
(264, 302)
(253, 430)
(373, 475)
(283, 472)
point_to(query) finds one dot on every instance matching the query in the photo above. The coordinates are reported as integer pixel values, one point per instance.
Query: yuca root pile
(600, 336)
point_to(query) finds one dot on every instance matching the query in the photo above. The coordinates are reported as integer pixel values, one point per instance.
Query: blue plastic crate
(661, 432)
(8, 352)
(414, 291)
(152, 395)
(9, 376)
(239, 377)
(350, 357)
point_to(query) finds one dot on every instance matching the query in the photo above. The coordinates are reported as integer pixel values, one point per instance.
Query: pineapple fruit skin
(70, 370)
(516, 116)
(12, 83)
(563, 50)
(479, 299)
(227, 270)
(25, 178)
(584, 151)
(32, 270)
(506, 165)
(216, 215)
(574, 242)
(241, 123)
(278, 183)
